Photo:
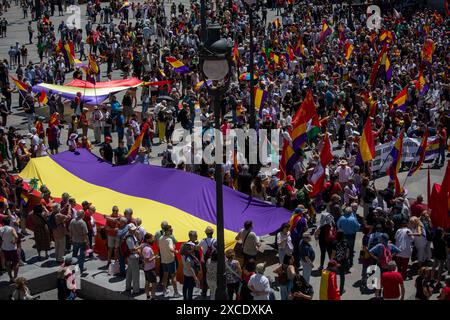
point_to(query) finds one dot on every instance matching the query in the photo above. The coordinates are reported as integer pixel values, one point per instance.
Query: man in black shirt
(245, 181)
(106, 150)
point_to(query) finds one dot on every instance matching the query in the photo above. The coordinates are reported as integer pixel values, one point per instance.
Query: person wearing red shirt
(418, 207)
(331, 188)
(111, 227)
(392, 283)
(445, 292)
(442, 134)
(87, 218)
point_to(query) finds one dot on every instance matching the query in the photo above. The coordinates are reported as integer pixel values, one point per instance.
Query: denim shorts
(170, 268)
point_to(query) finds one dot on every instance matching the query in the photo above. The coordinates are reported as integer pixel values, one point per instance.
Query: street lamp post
(252, 114)
(215, 64)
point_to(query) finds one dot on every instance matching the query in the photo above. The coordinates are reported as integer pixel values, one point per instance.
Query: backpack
(385, 258)
(124, 247)
(209, 251)
(51, 222)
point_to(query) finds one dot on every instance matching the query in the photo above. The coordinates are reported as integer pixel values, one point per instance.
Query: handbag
(330, 236)
(114, 268)
(239, 247)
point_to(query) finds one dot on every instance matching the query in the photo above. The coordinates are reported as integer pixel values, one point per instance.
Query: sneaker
(177, 295)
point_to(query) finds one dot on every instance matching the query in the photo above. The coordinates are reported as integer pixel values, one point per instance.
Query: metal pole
(221, 293)
(252, 120)
(252, 82)
(202, 21)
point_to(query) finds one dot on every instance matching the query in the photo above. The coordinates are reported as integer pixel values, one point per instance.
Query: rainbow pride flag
(185, 200)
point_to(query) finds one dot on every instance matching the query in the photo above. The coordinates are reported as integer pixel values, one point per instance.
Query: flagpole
(428, 187)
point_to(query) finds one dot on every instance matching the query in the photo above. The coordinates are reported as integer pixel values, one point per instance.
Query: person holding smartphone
(149, 266)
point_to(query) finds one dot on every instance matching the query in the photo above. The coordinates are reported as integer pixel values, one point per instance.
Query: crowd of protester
(397, 230)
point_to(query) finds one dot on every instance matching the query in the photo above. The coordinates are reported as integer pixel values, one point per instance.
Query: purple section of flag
(191, 193)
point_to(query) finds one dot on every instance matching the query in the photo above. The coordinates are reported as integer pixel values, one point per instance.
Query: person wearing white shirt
(403, 240)
(259, 284)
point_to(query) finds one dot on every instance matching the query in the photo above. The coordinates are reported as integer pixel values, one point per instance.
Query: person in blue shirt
(115, 110)
(349, 224)
(120, 125)
(377, 252)
(142, 156)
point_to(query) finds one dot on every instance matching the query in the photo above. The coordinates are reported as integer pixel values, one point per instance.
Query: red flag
(318, 176)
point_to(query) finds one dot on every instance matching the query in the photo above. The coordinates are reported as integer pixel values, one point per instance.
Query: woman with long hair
(286, 273)
(420, 240)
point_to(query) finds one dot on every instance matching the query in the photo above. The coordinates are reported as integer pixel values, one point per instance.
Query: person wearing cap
(259, 284)
(106, 151)
(79, 235)
(392, 286)
(133, 272)
(22, 155)
(208, 246)
(306, 255)
(328, 282)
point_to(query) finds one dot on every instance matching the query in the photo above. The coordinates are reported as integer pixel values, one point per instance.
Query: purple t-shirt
(147, 253)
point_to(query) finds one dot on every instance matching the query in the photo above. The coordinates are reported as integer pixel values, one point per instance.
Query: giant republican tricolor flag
(393, 170)
(305, 123)
(155, 194)
(401, 100)
(326, 31)
(318, 175)
(177, 65)
(420, 154)
(366, 150)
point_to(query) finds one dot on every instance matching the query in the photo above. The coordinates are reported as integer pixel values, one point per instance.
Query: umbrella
(246, 76)
(167, 98)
